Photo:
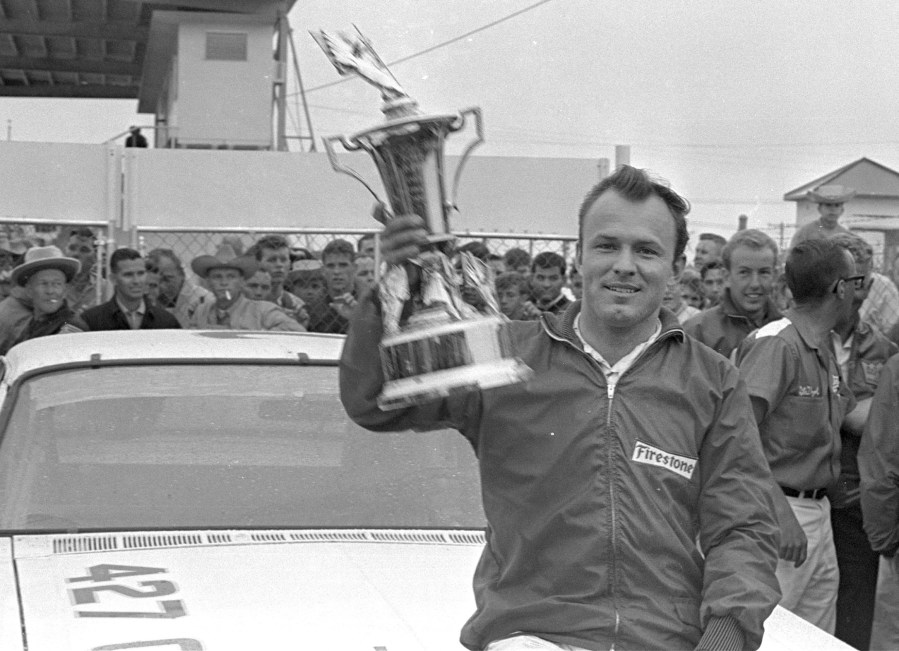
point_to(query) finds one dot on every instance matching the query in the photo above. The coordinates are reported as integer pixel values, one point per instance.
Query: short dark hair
(714, 237)
(338, 247)
(548, 260)
(82, 231)
(361, 240)
(637, 185)
(477, 249)
(750, 238)
(861, 251)
(711, 265)
(691, 281)
(812, 267)
(154, 256)
(514, 280)
(273, 242)
(516, 257)
(121, 255)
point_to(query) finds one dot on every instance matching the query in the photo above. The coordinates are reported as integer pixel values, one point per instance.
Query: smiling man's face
(750, 278)
(627, 258)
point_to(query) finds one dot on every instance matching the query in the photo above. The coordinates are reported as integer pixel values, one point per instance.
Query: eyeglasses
(858, 280)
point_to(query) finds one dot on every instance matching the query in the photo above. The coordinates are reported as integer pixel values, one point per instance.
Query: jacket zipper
(610, 394)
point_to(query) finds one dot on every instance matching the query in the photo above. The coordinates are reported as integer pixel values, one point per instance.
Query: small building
(210, 78)
(874, 210)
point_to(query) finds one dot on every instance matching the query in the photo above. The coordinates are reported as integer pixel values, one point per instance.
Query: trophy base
(437, 361)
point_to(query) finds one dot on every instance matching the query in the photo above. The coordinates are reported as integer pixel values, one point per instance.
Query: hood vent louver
(330, 536)
(468, 537)
(79, 544)
(150, 540)
(409, 536)
(30, 546)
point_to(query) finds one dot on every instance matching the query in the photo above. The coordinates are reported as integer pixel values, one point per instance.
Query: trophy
(443, 330)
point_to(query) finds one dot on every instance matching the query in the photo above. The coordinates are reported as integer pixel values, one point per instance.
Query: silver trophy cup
(443, 331)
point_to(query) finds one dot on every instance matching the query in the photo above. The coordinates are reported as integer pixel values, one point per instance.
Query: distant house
(873, 211)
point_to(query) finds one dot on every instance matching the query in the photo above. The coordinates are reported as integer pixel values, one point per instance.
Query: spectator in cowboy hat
(830, 200)
(45, 275)
(226, 273)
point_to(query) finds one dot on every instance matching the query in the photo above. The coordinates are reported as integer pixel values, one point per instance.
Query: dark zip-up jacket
(595, 497)
(724, 326)
(878, 463)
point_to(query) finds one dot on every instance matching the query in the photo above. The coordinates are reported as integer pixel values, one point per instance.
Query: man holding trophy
(622, 445)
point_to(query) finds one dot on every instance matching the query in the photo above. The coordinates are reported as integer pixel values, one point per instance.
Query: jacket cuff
(722, 634)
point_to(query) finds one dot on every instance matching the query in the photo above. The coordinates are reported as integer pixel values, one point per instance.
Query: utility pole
(741, 222)
(781, 226)
(603, 168)
(622, 155)
(9, 129)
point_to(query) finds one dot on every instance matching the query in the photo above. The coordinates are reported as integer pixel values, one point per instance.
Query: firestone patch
(683, 466)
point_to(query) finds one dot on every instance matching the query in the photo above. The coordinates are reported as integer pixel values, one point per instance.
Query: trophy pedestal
(435, 360)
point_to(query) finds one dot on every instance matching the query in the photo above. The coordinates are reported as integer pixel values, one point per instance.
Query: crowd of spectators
(273, 284)
(318, 289)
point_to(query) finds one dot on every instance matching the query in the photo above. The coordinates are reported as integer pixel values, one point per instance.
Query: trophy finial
(353, 54)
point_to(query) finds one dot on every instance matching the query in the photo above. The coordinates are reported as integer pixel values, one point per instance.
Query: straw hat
(224, 258)
(44, 257)
(831, 194)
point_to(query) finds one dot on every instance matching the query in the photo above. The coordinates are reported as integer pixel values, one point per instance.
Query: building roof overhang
(92, 49)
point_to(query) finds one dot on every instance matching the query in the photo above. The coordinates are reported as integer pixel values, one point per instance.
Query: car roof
(211, 346)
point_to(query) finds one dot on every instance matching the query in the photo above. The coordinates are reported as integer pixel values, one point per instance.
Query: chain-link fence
(17, 235)
(188, 243)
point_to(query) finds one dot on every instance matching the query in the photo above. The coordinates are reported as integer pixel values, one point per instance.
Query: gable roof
(867, 177)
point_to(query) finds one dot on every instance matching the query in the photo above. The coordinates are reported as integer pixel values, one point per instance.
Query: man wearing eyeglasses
(799, 400)
(861, 351)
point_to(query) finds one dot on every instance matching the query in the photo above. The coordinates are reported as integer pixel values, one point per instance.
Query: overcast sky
(734, 103)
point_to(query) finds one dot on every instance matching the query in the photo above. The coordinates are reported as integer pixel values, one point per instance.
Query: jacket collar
(807, 336)
(562, 326)
(730, 309)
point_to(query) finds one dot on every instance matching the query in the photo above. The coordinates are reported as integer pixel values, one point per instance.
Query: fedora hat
(44, 257)
(831, 194)
(224, 258)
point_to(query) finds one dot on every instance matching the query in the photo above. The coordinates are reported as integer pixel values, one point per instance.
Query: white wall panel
(56, 182)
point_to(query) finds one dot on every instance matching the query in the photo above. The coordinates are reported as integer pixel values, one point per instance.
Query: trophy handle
(337, 167)
(475, 112)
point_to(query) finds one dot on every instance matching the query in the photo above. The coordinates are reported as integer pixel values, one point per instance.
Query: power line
(443, 44)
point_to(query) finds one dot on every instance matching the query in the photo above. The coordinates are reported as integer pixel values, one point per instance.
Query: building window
(226, 46)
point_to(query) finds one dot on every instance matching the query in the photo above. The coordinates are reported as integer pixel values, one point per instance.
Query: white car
(205, 491)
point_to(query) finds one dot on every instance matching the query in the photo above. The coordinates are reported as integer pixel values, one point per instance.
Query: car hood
(371, 590)
(365, 590)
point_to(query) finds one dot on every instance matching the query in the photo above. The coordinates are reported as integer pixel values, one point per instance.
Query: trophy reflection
(443, 330)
